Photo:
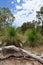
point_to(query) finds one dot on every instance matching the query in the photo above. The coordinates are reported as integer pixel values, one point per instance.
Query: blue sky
(23, 10)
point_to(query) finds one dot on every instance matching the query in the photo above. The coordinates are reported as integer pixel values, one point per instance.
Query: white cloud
(28, 11)
(18, 1)
(12, 2)
(18, 7)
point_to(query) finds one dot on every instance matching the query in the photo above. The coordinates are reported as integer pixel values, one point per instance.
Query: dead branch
(24, 53)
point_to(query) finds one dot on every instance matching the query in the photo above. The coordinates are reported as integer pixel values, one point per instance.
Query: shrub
(11, 37)
(33, 38)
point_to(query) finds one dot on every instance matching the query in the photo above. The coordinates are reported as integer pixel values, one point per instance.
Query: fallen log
(24, 53)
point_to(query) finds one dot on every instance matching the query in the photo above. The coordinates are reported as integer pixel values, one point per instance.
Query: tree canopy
(6, 17)
(40, 17)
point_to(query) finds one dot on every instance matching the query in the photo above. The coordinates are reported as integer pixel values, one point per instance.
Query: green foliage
(12, 32)
(40, 18)
(11, 35)
(24, 35)
(26, 26)
(33, 38)
(6, 17)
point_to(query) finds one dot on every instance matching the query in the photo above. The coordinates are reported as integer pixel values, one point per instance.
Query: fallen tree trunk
(24, 53)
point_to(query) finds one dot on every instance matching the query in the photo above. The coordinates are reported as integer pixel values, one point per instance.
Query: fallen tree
(25, 54)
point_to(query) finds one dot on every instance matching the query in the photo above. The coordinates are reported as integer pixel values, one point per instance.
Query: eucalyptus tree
(6, 19)
(6, 16)
(40, 17)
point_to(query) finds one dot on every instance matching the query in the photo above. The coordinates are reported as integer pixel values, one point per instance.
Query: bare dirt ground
(19, 62)
(12, 61)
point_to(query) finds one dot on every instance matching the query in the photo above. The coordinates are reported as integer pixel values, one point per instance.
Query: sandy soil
(19, 62)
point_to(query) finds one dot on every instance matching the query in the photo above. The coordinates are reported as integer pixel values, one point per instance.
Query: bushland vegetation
(29, 34)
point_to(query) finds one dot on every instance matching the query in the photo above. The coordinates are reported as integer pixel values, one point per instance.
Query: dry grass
(37, 50)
